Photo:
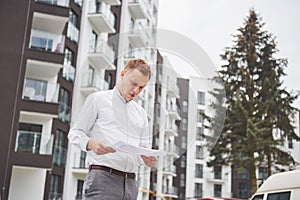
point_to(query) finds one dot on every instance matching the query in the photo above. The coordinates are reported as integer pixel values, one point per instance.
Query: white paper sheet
(128, 148)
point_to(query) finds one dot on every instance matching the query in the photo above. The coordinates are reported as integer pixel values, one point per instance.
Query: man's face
(132, 83)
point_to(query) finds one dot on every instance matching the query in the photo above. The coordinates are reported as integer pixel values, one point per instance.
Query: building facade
(202, 181)
(38, 76)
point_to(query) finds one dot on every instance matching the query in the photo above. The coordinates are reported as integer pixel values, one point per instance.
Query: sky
(212, 23)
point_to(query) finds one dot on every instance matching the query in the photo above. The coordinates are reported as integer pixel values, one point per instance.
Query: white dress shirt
(106, 115)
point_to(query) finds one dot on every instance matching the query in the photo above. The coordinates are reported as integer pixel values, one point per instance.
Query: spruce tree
(259, 111)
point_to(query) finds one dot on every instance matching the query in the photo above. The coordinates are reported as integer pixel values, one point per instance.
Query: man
(106, 118)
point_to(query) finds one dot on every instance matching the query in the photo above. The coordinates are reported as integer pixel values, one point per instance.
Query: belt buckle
(126, 175)
(110, 170)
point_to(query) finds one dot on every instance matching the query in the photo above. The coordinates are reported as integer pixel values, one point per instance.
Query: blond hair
(139, 64)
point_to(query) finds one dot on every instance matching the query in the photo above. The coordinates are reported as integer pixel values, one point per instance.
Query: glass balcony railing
(60, 156)
(68, 71)
(34, 142)
(99, 7)
(73, 32)
(64, 112)
(101, 47)
(46, 41)
(94, 81)
(64, 3)
(38, 90)
(54, 196)
(79, 160)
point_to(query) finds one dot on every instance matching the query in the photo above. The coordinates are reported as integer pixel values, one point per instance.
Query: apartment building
(166, 130)
(202, 181)
(37, 83)
(181, 140)
(112, 31)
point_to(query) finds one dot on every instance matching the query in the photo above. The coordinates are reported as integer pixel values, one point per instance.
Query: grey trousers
(102, 185)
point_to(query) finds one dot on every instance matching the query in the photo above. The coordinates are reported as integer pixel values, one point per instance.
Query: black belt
(113, 171)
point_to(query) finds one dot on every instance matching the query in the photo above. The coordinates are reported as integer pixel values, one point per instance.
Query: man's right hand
(99, 147)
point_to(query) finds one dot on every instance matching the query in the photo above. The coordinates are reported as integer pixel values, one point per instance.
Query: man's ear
(122, 73)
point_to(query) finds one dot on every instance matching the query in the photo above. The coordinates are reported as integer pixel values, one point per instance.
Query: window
(199, 152)
(258, 197)
(69, 70)
(183, 161)
(55, 187)
(79, 189)
(243, 190)
(199, 171)
(82, 159)
(201, 98)
(184, 124)
(218, 172)
(94, 40)
(198, 190)
(41, 43)
(184, 106)
(183, 142)
(262, 173)
(69, 56)
(91, 74)
(60, 150)
(35, 89)
(64, 106)
(242, 174)
(29, 138)
(290, 143)
(200, 133)
(217, 190)
(182, 180)
(73, 18)
(200, 117)
(279, 196)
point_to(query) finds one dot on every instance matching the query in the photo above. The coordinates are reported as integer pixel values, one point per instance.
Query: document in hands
(131, 149)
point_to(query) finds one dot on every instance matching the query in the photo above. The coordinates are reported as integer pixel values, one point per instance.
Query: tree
(258, 106)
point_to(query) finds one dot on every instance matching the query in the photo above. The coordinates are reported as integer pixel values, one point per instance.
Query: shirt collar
(120, 95)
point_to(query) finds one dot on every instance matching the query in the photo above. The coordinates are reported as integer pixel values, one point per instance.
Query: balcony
(173, 89)
(112, 2)
(137, 9)
(73, 32)
(101, 55)
(101, 17)
(49, 23)
(64, 3)
(34, 142)
(173, 111)
(38, 90)
(64, 112)
(169, 170)
(68, 71)
(93, 84)
(137, 35)
(60, 156)
(210, 177)
(79, 166)
(172, 151)
(46, 41)
(172, 131)
(169, 192)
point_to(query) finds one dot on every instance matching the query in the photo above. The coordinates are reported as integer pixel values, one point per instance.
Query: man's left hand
(150, 161)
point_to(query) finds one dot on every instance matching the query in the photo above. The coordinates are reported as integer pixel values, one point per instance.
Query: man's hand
(99, 147)
(150, 161)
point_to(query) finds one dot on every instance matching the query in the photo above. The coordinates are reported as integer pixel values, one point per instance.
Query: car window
(279, 196)
(258, 197)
